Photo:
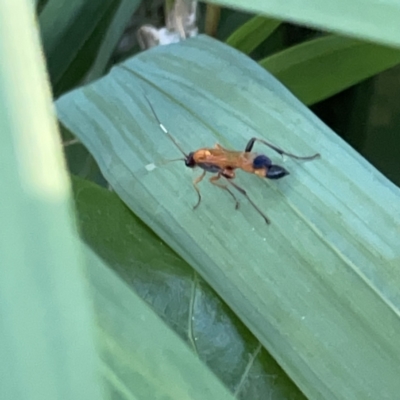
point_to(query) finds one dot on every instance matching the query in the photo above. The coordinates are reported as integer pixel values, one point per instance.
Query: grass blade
(252, 33)
(320, 68)
(46, 327)
(362, 19)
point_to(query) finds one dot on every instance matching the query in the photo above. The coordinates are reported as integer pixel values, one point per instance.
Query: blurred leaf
(362, 19)
(178, 295)
(70, 35)
(114, 32)
(320, 68)
(142, 358)
(72, 32)
(252, 33)
(382, 128)
(229, 21)
(46, 327)
(40, 5)
(79, 161)
(318, 288)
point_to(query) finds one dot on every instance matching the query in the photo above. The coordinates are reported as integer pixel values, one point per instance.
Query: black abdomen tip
(276, 172)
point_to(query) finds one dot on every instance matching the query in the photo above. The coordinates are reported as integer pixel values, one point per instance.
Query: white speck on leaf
(150, 167)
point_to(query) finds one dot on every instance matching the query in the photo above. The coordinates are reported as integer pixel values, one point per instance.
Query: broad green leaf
(363, 19)
(318, 287)
(178, 295)
(320, 68)
(46, 327)
(141, 357)
(252, 33)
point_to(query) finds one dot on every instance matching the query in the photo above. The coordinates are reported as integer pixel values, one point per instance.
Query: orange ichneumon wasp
(223, 162)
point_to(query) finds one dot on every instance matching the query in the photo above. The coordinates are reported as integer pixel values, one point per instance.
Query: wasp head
(189, 160)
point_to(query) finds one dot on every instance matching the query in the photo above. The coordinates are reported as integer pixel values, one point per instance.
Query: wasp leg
(251, 142)
(244, 193)
(213, 180)
(195, 183)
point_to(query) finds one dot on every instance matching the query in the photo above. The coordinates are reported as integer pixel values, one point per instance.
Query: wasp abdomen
(261, 162)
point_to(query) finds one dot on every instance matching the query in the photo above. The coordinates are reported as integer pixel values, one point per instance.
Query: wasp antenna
(173, 160)
(163, 128)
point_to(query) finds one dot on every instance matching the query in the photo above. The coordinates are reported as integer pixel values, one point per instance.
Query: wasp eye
(262, 162)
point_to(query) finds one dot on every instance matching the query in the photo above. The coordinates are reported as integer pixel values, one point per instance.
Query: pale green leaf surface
(141, 357)
(178, 295)
(320, 68)
(252, 33)
(363, 19)
(46, 325)
(319, 287)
